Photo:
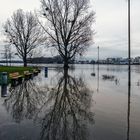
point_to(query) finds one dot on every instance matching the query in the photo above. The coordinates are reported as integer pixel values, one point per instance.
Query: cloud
(110, 26)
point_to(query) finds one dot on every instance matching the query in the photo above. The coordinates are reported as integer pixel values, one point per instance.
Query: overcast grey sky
(110, 25)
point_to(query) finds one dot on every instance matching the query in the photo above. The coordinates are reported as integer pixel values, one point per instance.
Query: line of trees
(67, 29)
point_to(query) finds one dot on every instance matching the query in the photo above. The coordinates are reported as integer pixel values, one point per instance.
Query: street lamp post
(98, 70)
(129, 68)
(93, 73)
(129, 43)
(129, 33)
(98, 54)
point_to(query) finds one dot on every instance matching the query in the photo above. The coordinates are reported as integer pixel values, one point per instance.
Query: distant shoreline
(20, 63)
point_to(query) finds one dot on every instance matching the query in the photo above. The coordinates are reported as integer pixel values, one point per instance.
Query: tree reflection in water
(24, 100)
(63, 111)
(66, 114)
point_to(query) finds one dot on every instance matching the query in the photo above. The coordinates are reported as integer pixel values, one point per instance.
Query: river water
(74, 105)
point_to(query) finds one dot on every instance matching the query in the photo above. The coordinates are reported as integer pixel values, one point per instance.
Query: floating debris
(138, 83)
(108, 77)
(93, 74)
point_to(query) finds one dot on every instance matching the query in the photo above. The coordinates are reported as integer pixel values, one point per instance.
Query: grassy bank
(14, 69)
(11, 69)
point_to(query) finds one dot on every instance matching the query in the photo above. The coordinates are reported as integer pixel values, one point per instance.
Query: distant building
(59, 60)
(124, 61)
(137, 60)
(114, 60)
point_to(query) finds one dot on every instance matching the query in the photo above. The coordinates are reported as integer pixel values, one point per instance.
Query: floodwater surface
(74, 105)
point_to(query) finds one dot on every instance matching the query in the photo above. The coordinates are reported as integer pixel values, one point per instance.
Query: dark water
(73, 105)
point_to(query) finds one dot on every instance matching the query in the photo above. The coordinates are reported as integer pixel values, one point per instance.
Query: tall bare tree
(68, 26)
(24, 32)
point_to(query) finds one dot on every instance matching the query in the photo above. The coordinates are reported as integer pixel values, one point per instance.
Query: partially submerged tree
(68, 26)
(24, 32)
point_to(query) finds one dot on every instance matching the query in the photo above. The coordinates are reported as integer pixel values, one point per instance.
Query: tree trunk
(66, 65)
(65, 81)
(25, 62)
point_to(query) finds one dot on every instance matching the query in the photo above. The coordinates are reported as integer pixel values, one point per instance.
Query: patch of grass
(12, 69)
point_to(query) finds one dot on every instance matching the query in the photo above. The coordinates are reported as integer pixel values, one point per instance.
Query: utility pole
(98, 54)
(129, 33)
(129, 69)
(98, 70)
(129, 43)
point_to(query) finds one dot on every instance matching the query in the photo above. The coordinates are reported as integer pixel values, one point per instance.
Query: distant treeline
(46, 60)
(56, 59)
(12, 61)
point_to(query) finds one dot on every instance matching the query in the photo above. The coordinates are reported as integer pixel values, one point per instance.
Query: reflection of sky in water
(110, 103)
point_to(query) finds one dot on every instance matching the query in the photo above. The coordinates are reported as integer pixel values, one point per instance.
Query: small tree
(24, 32)
(68, 26)
(7, 53)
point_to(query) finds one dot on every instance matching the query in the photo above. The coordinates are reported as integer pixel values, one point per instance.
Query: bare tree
(7, 54)
(24, 32)
(68, 26)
